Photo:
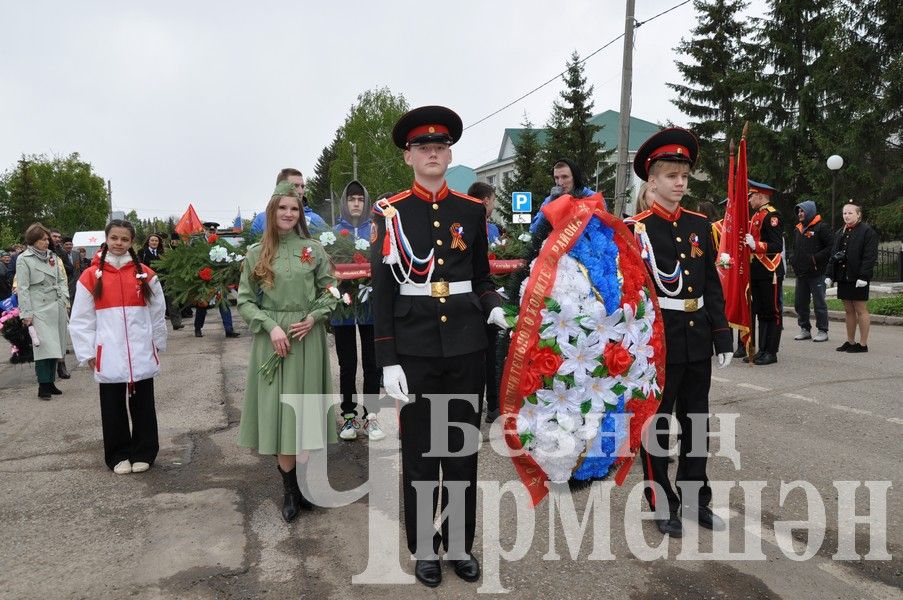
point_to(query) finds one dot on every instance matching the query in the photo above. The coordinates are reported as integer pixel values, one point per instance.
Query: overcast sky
(203, 101)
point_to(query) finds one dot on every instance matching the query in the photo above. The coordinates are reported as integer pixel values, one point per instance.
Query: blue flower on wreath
(601, 455)
(597, 251)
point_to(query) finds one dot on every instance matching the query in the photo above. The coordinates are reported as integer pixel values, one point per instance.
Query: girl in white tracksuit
(117, 327)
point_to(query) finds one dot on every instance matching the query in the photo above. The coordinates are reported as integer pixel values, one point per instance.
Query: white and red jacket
(121, 331)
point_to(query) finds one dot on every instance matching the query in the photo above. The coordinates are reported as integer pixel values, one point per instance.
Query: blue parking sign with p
(521, 202)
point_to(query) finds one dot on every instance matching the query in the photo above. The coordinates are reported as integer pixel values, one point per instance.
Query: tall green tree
(367, 131)
(796, 43)
(529, 172)
(718, 75)
(571, 134)
(866, 128)
(317, 190)
(60, 192)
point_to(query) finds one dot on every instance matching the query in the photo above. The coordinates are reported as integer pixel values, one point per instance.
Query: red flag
(189, 223)
(733, 253)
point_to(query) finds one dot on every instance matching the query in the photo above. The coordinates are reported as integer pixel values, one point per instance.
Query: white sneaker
(373, 430)
(140, 467)
(349, 429)
(803, 335)
(820, 336)
(123, 467)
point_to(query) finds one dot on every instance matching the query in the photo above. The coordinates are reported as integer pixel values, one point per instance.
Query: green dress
(288, 425)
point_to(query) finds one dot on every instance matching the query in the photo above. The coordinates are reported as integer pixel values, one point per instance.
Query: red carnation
(206, 273)
(211, 239)
(617, 359)
(344, 232)
(359, 258)
(492, 256)
(529, 383)
(545, 362)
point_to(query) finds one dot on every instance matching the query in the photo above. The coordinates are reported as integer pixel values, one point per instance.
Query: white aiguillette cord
(393, 259)
(639, 230)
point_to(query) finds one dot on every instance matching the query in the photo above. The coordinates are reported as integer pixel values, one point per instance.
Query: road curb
(836, 315)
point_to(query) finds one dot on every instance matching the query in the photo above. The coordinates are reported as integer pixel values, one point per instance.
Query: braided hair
(146, 291)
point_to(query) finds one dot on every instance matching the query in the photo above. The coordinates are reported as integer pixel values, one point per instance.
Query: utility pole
(109, 199)
(354, 161)
(622, 174)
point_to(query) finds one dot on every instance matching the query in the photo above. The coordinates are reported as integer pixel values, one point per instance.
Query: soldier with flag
(766, 243)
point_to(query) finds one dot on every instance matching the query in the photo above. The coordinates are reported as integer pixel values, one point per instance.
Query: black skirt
(847, 290)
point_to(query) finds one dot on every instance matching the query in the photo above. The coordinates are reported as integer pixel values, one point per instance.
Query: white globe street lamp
(834, 162)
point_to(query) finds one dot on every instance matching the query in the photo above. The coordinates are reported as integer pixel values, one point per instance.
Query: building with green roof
(496, 170)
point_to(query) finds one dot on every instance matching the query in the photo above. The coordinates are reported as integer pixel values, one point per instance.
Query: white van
(89, 240)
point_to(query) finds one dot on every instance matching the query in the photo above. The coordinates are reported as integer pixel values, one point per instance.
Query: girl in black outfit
(150, 253)
(851, 265)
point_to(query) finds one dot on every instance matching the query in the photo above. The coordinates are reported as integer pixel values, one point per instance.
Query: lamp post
(834, 162)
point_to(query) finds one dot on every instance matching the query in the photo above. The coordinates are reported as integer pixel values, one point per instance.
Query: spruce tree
(717, 77)
(864, 107)
(570, 134)
(795, 42)
(528, 176)
(317, 185)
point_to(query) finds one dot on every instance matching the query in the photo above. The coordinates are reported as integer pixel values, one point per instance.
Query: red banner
(189, 223)
(346, 271)
(735, 275)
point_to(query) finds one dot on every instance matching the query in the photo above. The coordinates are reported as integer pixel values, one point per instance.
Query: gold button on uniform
(441, 261)
(674, 223)
(443, 318)
(682, 255)
(686, 271)
(678, 239)
(435, 223)
(692, 323)
(438, 242)
(690, 288)
(442, 300)
(435, 206)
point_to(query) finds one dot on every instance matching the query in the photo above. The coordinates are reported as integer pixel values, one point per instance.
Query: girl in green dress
(282, 277)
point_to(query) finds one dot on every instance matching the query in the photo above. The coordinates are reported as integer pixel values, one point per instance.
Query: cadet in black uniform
(766, 274)
(431, 297)
(679, 254)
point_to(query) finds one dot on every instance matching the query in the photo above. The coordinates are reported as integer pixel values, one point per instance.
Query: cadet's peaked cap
(209, 224)
(759, 188)
(286, 188)
(427, 124)
(673, 144)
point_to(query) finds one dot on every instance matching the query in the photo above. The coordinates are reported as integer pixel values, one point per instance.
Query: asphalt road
(205, 523)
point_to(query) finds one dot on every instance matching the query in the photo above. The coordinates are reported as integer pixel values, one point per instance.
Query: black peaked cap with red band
(427, 124)
(673, 144)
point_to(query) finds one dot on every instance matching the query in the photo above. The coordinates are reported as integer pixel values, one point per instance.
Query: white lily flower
(562, 324)
(561, 398)
(361, 244)
(580, 358)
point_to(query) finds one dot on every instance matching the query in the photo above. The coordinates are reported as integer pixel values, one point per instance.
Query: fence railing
(889, 266)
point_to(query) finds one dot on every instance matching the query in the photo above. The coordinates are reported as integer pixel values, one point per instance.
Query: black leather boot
(61, 371)
(43, 391)
(53, 389)
(291, 500)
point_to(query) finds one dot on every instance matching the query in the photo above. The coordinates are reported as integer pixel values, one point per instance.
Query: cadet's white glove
(750, 241)
(828, 282)
(724, 359)
(395, 382)
(497, 318)
(861, 283)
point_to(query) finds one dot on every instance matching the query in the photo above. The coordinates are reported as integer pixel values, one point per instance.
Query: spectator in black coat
(851, 265)
(812, 243)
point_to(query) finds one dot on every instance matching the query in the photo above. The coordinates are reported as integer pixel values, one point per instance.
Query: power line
(580, 62)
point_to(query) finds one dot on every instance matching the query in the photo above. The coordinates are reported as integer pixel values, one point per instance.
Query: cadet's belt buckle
(439, 289)
(691, 304)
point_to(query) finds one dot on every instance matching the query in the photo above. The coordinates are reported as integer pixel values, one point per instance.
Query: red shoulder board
(693, 212)
(466, 197)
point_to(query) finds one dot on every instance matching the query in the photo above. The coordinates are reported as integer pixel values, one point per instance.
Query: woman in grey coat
(43, 295)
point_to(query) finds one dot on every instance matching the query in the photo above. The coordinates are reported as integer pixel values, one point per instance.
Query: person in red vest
(766, 274)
